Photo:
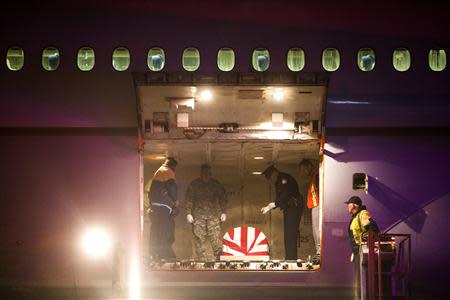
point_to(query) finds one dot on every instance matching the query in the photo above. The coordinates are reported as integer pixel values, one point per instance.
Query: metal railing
(389, 255)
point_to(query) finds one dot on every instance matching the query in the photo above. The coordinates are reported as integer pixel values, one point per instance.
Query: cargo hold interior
(239, 128)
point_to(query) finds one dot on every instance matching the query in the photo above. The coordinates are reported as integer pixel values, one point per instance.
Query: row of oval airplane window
(401, 59)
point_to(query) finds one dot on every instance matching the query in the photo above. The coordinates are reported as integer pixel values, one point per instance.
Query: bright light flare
(278, 95)
(258, 157)
(134, 280)
(206, 95)
(96, 242)
(256, 173)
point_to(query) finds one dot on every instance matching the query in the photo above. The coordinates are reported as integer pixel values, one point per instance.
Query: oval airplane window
(261, 59)
(191, 59)
(156, 59)
(225, 59)
(121, 59)
(331, 59)
(15, 58)
(366, 59)
(296, 59)
(401, 59)
(86, 59)
(50, 59)
(437, 59)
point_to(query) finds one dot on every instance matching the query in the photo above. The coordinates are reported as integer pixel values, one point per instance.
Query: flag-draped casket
(245, 243)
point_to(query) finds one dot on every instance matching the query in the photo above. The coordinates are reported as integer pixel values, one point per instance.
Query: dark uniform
(206, 201)
(288, 199)
(163, 196)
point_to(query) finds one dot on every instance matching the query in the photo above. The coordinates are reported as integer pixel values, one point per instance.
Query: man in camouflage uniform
(205, 207)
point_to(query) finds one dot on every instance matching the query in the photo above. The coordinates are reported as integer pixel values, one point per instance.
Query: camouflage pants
(205, 227)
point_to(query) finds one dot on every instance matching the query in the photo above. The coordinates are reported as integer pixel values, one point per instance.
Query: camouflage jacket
(205, 198)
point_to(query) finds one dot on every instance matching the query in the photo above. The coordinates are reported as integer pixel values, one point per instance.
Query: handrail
(371, 262)
(404, 218)
(375, 251)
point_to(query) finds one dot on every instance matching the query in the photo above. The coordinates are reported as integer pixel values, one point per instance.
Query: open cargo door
(239, 124)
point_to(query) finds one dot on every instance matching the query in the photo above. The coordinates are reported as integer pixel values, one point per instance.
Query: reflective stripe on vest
(163, 205)
(357, 229)
(313, 196)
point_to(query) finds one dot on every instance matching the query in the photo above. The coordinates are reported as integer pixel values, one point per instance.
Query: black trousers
(291, 222)
(162, 234)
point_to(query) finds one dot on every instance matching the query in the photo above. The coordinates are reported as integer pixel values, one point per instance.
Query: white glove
(223, 217)
(190, 218)
(269, 206)
(352, 257)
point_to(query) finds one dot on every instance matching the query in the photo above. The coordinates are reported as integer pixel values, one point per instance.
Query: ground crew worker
(288, 199)
(360, 224)
(306, 169)
(147, 200)
(206, 209)
(163, 195)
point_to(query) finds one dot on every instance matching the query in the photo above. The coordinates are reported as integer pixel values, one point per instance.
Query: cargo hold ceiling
(248, 108)
(245, 156)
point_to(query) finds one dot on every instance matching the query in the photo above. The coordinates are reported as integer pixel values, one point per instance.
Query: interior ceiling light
(278, 95)
(155, 156)
(258, 157)
(256, 173)
(206, 95)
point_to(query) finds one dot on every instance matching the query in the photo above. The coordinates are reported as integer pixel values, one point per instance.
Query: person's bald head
(305, 167)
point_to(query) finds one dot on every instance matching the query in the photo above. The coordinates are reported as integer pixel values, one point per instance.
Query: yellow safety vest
(313, 193)
(147, 200)
(356, 226)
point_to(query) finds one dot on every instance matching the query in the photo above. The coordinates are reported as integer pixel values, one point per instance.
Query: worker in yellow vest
(164, 208)
(306, 169)
(360, 224)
